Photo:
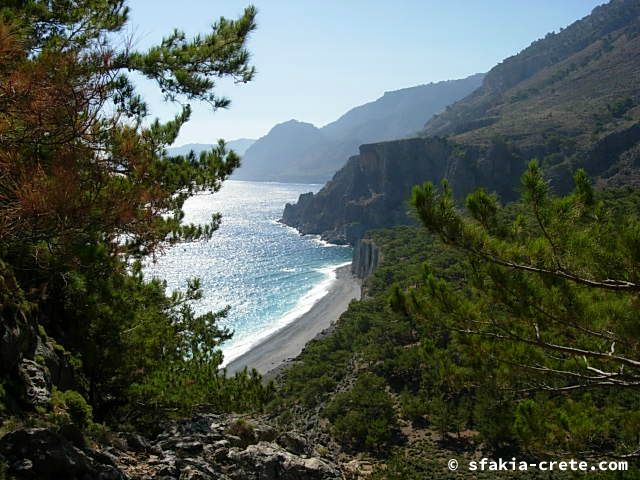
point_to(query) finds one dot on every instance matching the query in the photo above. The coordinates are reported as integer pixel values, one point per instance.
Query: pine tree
(549, 314)
(87, 191)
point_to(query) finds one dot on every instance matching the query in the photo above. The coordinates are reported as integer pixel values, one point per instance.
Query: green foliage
(414, 407)
(364, 415)
(73, 405)
(431, 329)
(371, 338)
(87, 193)
(550, 307)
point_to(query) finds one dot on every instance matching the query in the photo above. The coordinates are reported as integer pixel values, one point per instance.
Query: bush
(414, 407)
(363, 417)
(73, 405)
(243, 430)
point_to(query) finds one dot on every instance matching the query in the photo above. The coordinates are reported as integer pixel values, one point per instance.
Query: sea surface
(265, 271)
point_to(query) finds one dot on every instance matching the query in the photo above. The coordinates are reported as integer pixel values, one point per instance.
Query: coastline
(286, 343)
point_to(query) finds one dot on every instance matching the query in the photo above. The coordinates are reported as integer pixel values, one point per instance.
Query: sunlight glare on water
(266, 272)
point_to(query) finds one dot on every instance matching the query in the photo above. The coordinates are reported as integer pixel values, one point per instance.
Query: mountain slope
(571, 100)
(396, 114)
(299, 152)
(273, 157)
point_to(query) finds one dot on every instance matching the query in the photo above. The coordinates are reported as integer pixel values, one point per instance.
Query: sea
(266, 272)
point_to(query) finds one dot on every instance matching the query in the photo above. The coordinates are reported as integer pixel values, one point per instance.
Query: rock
(189, 447)
(366, 257)
(136, 442)
(293, 442)
(72, 433)
(370, 191)
(63, 374)
(36, 381)
(38, 453)
(269, 461)
(18, 338)
(264, 433)
(235, 440)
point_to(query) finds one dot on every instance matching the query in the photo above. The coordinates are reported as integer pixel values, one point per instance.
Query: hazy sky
(317, 59)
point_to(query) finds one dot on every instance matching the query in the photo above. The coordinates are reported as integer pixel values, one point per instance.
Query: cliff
(300, 152)
(372, 189)
(366, 257)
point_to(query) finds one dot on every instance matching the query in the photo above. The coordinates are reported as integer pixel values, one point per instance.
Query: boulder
(38, 453)
(269, 461)
(293, 442)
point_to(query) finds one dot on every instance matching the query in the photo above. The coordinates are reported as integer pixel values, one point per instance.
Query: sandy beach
(289, 341)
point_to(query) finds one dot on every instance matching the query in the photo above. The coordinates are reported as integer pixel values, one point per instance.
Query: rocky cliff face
(570, 100)
(372, 190)
(299, 152)
(366, 257)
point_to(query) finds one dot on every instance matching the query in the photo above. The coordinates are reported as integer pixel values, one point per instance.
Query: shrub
(363, 417)
(244, 430)
(70, 403)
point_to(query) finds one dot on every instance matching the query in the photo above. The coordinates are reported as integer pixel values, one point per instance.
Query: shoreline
(283, 345)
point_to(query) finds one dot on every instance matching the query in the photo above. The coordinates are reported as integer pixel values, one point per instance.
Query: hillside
(396, 113)
(571, 100)
(273, 157)
(294, 151)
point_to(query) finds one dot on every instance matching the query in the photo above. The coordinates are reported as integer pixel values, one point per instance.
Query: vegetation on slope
(516, 336)
(571, 99)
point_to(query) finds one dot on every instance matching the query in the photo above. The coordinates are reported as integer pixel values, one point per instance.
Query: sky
(316, 59)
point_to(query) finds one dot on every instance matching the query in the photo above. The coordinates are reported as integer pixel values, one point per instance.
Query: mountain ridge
(300, 152)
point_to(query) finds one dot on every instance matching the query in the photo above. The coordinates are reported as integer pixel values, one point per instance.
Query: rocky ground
(228, 447)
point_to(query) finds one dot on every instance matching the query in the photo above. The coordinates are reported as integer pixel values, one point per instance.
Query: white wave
(323, 243)
(302, 306)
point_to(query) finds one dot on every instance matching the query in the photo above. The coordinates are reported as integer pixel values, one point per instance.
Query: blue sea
(265, 271)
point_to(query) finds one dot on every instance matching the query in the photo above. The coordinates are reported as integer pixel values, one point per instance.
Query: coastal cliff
(372, 189)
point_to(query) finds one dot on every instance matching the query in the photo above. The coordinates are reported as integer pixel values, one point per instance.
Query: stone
(269, 461)
(36, 381)
(39, 453)
(136, 442)
(293, 442)
(189, 447)
(264, 432)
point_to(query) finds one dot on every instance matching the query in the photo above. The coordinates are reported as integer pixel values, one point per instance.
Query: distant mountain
(398, 114)
(571, 100)
(240, 146)
(278, 155)
(300, 152)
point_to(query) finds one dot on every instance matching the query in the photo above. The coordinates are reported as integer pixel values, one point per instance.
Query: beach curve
(287, 342)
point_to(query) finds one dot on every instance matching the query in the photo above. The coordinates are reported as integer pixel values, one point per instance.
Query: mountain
(276, 156)
(398, 114)
(300, 152)
(571, 100)
(240, 146)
